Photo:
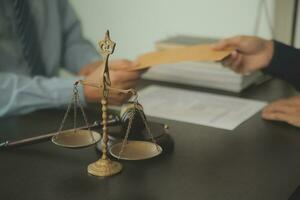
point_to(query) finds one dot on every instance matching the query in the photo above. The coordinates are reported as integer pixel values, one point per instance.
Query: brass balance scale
(76, 138)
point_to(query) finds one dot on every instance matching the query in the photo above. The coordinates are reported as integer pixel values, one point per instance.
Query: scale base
(104, 167)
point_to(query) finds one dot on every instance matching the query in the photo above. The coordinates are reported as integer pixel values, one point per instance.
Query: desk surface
(257, 160)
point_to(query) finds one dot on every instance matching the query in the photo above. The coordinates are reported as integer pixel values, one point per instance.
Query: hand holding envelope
(191, 53)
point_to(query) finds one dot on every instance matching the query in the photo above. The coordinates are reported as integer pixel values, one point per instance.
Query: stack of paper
(204, 74)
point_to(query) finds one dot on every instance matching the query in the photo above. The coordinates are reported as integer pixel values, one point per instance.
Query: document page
(201, 108)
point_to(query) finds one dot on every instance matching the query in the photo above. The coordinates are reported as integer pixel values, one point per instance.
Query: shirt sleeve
(22, 94)
(77, 51)
(285, 64)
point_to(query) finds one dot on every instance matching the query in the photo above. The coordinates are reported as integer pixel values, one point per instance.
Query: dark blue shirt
(285, 64)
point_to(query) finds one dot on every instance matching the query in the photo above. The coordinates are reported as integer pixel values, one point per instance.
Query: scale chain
(127, 133)
(75, 93)
(148, 129)
(85, 117)
(66, 115)
(131, 117)
(76, 102)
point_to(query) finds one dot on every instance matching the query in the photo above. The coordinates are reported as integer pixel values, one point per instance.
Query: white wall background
(136, 24)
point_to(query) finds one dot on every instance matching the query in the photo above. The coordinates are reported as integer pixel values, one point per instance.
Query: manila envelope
(180, 54)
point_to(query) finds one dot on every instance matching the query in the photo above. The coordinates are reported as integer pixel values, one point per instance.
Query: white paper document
(197, 107)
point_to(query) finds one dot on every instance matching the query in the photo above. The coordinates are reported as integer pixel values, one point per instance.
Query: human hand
(120, 78)
(251, 53)
(286, 110)
(89, 68)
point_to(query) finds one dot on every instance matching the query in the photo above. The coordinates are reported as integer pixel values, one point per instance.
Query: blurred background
(140, 26)
(137, 24)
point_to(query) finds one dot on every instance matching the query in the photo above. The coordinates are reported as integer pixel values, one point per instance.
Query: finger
(279, 117)
(87, 71)
(238, 64)
(230, 59)
(221, 45)
(142, 71)
(83, 71)
(233, 42)
(279, 109)
(123, 64)
(118, 99)
(234, 63)
(137, 70)
(279, 103)
(237, 60)
(124, 76)
(274, 107)
(127, 85)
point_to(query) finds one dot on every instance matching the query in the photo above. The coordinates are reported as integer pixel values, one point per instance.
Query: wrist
(92, 92)
(268, 52)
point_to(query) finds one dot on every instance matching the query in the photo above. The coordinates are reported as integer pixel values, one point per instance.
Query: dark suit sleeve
(285, 64)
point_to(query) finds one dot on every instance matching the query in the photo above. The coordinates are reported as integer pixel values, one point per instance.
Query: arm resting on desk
(22, 94)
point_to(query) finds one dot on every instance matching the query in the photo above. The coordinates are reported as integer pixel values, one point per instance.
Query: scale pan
(72, 139)
(135, 150)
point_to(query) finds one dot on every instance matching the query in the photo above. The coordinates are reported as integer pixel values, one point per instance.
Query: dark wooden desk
(259, 160)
